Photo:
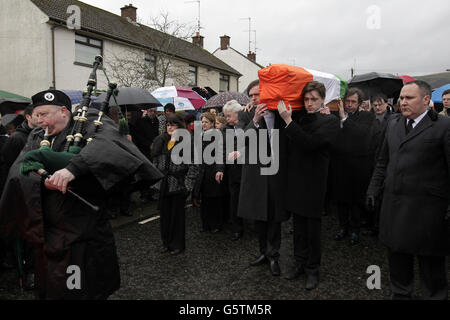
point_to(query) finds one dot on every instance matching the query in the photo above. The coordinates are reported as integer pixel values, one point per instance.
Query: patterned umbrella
(222, 98)
(183, 98)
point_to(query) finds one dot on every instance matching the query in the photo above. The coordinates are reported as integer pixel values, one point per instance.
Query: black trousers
(172, 221)
(211, 213)
(350, 216)
(307, 247)
(432, 272)
(269, 233)
(236, 222)
(269, 237)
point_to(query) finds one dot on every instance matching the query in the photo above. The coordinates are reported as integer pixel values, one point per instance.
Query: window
(224, 83)
(86, 49)
(192, 76)
(151, 62)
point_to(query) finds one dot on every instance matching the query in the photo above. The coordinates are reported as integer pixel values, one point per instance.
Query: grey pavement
(215, 268)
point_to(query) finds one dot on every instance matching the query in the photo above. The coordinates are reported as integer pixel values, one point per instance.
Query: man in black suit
(262, 196)
(382, 112)
(310, 135)
(352, 164)
(413, 175)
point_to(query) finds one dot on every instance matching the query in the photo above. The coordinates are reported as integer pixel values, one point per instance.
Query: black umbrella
(131, 99)
(374, 82)
(205, 92)
(12, 105)
(15, 119)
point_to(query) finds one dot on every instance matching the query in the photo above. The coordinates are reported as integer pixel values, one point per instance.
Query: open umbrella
(205, 92)
(76, 96)
(15, 119)
(374, 82)
(222, 98)
(10, 102)
(183, 98)
(131, 99)
(436, 97)
(406, 79)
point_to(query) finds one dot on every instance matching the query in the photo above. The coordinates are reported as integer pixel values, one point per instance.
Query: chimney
(224, 42)
(252, 56)
(198, 40)
(129, 12)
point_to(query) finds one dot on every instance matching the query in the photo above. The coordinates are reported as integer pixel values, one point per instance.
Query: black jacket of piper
(64, 230)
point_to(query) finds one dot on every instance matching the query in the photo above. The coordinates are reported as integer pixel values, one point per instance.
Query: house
(44, 47)
(246, 65)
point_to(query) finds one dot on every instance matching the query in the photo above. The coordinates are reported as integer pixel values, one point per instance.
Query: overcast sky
(407, 37)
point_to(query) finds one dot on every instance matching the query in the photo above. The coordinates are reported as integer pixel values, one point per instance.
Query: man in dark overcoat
(413, 176)
(352, 164)
(262, 196)
(310, 135)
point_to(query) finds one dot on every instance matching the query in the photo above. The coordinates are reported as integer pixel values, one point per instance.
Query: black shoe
(354, 239)
(295, 272)
(164, 250)
(312, 281)
(176, 252)
(370, 233)
(274, 268)
(215, 230)
(126, 213)
(340, 235)
(236, 236)
(203, 230)
(262, 259)
(29, 282)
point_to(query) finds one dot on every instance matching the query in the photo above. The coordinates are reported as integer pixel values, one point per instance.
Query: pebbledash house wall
(247, 68)
(26, 63)
(25, 48)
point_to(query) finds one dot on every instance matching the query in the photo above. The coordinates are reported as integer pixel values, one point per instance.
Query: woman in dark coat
(310, 136)
(176, 185)
(208, 187)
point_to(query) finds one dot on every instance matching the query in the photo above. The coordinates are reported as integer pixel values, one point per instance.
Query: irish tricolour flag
(285, 82)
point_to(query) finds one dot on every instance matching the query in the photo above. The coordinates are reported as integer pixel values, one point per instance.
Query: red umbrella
(406, 79)
(196, 99)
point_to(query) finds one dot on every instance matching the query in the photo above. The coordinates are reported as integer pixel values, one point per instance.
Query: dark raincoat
(64, 230)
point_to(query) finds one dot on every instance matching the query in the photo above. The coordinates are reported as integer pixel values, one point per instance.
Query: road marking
(149, 220)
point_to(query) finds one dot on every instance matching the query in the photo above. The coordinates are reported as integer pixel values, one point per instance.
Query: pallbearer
(75, 249)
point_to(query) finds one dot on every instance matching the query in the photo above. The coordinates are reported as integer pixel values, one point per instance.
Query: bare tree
(159, 64)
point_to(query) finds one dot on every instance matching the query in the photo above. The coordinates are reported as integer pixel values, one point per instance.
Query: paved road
(214, 267)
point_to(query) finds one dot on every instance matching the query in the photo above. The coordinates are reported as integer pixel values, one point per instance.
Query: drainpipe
(53, 56)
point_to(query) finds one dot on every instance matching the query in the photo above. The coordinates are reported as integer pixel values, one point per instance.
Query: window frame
(88, 44)
(222, 77)
(195, 74)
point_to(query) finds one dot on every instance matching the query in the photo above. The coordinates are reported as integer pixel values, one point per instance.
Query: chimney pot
(224, 42)
(252, 56)
(129, 12)
(198, 40)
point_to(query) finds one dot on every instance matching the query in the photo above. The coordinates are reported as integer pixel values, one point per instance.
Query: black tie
(409, 127)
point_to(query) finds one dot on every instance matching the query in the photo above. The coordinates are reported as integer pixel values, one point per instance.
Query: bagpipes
(44, 161)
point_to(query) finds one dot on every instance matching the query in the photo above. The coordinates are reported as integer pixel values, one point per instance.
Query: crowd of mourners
(381, 165)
